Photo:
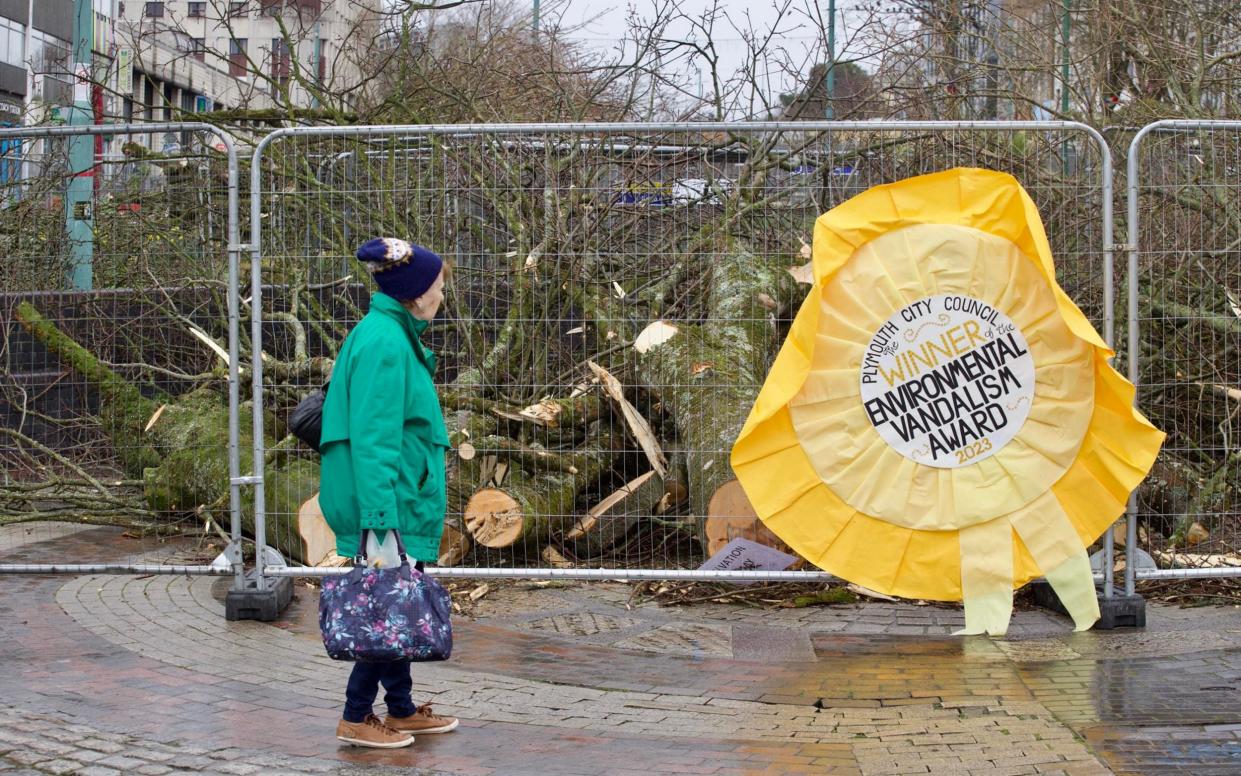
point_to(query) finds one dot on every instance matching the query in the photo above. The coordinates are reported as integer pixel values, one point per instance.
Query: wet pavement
(106, 675)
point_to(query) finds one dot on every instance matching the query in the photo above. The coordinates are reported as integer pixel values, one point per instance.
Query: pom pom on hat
(403, 271)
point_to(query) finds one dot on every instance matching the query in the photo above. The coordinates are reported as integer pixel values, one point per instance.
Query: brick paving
(566, 679)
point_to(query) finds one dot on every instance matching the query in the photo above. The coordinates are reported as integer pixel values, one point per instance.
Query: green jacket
(383, 436)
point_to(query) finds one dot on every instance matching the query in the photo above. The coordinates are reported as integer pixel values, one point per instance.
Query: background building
(188, 56)
(27, 48)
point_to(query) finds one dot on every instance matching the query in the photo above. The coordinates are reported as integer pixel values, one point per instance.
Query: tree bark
(534, 503)
(709, 374)
(179, 446)
(611, 519)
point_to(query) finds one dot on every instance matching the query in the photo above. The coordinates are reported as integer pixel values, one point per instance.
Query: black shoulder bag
(306, 422)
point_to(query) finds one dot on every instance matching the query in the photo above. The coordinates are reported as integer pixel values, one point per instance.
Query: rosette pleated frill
(942, 421)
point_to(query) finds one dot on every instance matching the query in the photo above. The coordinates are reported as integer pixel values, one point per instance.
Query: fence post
(76, 137)
(235, 481)
(1134, 346)
(259, 598)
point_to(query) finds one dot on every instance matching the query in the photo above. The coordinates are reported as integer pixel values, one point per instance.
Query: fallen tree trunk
(179, 446)
(124, 411)
(527, 504)
(611, 519)
(708, 375)
(319, 543)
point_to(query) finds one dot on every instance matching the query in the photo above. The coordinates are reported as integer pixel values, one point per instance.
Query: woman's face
(426, 306)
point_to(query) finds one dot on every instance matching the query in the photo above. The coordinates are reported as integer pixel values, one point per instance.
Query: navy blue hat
(403, 271)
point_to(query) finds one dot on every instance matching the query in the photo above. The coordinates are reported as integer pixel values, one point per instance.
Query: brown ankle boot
(422, 721)
(373, 733)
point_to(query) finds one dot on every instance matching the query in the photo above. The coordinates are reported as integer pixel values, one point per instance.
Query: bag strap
(360, 559)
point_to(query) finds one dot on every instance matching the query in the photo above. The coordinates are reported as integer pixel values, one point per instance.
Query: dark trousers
(364, 686)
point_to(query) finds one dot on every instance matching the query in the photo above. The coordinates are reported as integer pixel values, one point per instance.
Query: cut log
(709, 375)
(496, 518)
(532, 509)
(611, 519)
(319, 543)
(730, 516)
(529, 457)
(534, 504)
(455, 544)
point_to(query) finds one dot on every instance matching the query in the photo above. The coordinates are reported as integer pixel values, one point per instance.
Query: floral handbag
(382, 615)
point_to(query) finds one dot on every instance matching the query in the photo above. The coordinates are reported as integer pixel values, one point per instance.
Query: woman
(383, 446)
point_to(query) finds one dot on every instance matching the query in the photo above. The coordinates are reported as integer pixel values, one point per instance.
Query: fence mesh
(113, 399)
(573, 248)
(1189, 316)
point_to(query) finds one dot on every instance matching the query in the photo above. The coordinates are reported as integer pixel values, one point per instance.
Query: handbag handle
(360, 559)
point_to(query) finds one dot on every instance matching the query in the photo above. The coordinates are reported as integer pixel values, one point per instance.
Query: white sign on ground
(745, 555)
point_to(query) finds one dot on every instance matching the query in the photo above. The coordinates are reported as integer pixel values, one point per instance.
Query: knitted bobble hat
(402, 271)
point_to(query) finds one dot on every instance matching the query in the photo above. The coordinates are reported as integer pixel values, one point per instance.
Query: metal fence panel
(1184, 329)
(567, 241)
(120, 249)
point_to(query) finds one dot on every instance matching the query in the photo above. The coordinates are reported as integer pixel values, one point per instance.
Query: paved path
(106, 675)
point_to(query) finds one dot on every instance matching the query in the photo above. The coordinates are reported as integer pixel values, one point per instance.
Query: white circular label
(947, 381)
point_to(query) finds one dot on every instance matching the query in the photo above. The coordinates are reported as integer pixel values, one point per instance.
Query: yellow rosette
(942, 421)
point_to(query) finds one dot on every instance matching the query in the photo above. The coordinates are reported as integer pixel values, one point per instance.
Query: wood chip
(803, 274)
(656, 333)
(637, 424)
(479, 591)
(544, 413)
(554, 559)
(516, 416)
(620, 292)
(154, 417)
(866, 592)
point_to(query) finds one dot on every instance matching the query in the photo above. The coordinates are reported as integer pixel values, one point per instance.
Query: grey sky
(799, 41)
(790, 34)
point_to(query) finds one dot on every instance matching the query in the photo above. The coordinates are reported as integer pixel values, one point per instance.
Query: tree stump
(730, 516)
